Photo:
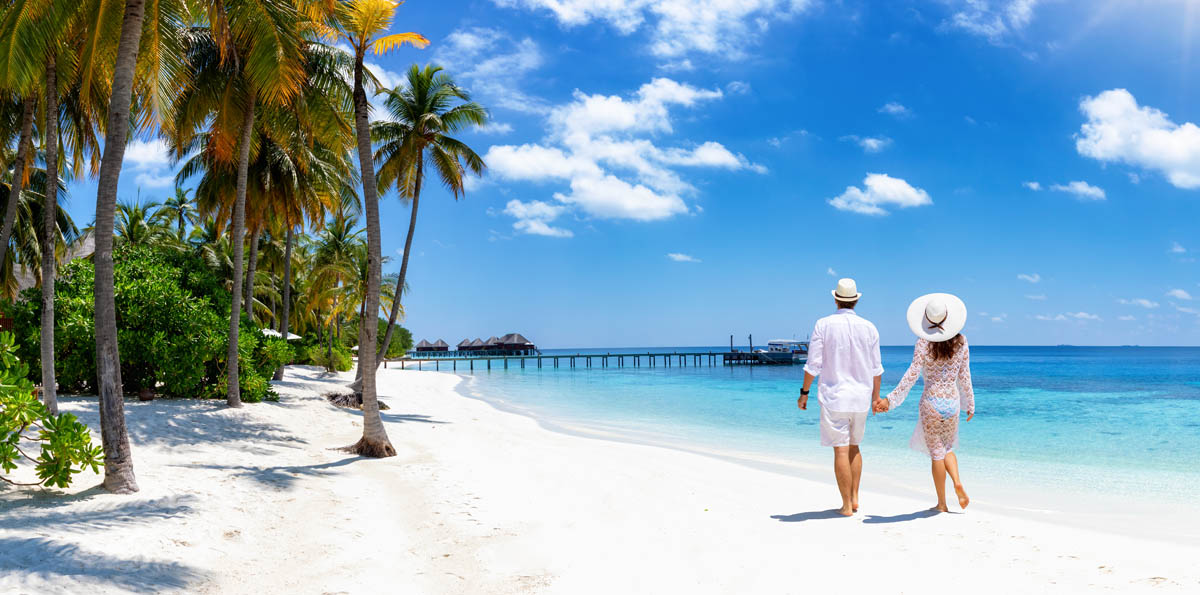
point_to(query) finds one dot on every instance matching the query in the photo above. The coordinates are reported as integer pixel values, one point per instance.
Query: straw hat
(937, 317)
(846, 291)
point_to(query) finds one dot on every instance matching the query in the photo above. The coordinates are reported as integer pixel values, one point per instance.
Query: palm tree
(140, 224)
(360, 23)
(249, 57)
(423, 116)
(25, 242)
(181, 209)
(49, 227)
(19, 174)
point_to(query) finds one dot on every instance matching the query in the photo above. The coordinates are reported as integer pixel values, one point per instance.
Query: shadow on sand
(800, 517)
(900, 518)
(47, 558)
(280, 476)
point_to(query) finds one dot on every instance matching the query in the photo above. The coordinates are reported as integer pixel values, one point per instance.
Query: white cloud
(1081, 190)
(869, 144)
(677, 27)
(994, 20)
(1035, 186)
(679, 257)
(1187, 310)
(1037, 297)
(147, 155)
(1032, 278)
(600, 147)
(831, 272)
(152, 162)
(881, 190)
(1081, 316)
(1179, 294)
(1119, 130)
(492, 65)
(155, 181)
(738, 88)
(1127, 318)
(534, 218)
(895, 109)
(496, 128)
(1143, 302)
(1177, 248)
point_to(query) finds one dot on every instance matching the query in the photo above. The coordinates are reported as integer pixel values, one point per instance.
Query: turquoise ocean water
(1119, 423)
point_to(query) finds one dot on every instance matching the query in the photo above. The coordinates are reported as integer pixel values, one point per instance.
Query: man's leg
(855, 475)
(845, 478)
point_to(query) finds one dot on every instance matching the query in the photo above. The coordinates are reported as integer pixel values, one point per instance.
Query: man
(844, 352)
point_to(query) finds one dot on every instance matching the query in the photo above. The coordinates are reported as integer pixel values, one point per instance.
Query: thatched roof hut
(441, 345)
(424, 346)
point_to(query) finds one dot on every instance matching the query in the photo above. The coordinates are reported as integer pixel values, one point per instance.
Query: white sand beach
(479, 500)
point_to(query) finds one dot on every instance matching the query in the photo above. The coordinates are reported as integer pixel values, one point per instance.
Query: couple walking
(844, 354)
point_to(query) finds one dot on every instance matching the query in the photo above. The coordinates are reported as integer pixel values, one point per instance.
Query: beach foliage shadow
(900, 518)
(40, 558)
(47, 558)
(280, 476)
(800, 517)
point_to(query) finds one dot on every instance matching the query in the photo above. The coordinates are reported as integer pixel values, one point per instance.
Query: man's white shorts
(842, 429)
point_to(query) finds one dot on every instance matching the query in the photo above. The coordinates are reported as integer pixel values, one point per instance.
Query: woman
(942, 354)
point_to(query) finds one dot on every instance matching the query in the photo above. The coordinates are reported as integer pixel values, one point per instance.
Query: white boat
(785, 351)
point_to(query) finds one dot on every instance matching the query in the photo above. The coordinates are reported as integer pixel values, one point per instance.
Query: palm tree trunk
(233, 398)
(250, 274)
(356, 386)
(14, 195)
(374, 442)
(287, 291)
(49, 237)
(118, 461)
(412, 225)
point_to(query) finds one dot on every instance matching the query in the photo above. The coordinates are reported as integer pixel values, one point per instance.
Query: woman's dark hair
(946, 349)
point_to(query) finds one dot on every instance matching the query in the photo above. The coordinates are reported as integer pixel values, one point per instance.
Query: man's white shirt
(844, 354)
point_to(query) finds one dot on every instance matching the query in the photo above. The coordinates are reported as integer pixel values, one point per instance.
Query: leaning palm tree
(360, 23)
(423, 116)
(19, 173)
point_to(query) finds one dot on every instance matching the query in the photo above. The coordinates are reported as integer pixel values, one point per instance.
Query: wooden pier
(600, 360)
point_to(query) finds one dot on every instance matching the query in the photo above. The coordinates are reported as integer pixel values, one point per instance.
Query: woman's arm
(966, 391)
(896, 397)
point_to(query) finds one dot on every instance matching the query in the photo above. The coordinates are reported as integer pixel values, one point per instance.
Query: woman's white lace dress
(947, 390)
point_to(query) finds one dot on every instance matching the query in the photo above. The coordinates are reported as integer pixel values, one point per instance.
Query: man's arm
(812, 367)
(875, 404)
(808, 380)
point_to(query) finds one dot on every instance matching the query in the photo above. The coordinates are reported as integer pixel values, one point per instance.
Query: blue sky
(675, 172)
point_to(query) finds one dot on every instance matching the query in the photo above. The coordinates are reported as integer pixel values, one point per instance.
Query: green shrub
(339, 361)
(172, 321)
(66, 444)
(402, 339)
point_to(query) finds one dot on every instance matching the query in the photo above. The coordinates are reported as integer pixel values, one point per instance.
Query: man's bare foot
(846, 511)
(963, 500)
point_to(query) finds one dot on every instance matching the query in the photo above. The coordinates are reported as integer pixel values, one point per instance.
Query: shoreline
(480, 500)
(1076, 505)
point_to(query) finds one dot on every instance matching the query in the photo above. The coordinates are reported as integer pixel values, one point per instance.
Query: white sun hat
(847, 291)
(937, 317)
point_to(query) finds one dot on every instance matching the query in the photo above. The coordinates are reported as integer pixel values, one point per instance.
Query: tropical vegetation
(274, 223)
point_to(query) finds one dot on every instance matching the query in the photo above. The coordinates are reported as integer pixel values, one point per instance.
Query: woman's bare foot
(846, 511)
(963, 500)
(941, 508)
(854, 505)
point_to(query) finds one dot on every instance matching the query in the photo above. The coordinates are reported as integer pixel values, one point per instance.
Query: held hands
(881, 406)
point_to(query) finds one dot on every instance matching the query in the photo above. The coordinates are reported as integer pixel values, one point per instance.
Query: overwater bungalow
(511, 344)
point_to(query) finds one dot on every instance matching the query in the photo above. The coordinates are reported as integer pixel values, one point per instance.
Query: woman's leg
(952, 469)
(939, 484)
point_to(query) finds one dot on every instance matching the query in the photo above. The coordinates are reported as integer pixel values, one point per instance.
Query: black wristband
(804, 392)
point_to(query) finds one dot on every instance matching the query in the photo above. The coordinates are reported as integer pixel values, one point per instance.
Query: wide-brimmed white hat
(847, 291)
(937, 317)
